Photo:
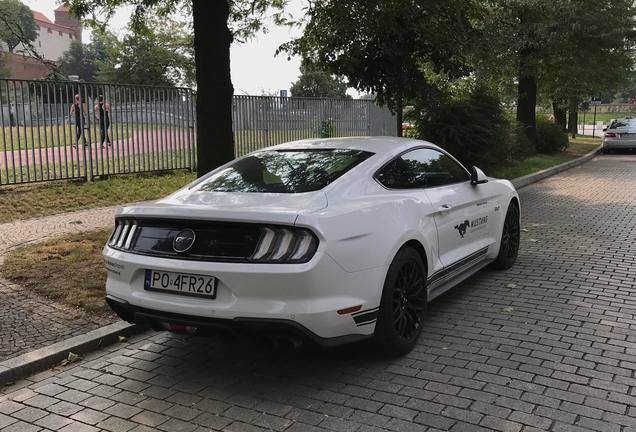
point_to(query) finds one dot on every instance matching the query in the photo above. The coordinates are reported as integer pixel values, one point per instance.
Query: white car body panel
(621, 134)
(360, 225)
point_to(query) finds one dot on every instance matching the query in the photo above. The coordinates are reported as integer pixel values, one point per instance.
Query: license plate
(180, 283)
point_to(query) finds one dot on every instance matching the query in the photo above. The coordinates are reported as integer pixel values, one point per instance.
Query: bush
(476, 130)
(550, 137)
(326, 129)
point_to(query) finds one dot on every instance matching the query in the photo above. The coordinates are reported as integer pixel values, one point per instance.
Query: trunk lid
(277, 208)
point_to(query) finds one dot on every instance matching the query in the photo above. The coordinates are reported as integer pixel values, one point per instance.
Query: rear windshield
(623, 123)
(285, 171)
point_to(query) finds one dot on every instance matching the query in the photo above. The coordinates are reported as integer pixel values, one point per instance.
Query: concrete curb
(19, 367)
(26, 364)
(524, 181)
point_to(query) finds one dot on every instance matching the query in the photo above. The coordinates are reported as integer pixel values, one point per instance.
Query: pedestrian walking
(103, 110)
(79, 109)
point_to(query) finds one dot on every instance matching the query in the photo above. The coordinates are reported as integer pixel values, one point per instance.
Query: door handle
(444, 207)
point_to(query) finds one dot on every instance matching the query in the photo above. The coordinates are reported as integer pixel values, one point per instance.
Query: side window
(421, 168)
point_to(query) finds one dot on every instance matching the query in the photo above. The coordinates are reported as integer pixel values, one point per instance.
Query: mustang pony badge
(462, 227)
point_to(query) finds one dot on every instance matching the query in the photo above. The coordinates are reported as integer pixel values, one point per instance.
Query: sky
(255, 69)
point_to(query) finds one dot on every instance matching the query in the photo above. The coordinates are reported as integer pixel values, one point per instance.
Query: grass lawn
(68, 270)
(578, 147)
(23, 202)
(604, 117)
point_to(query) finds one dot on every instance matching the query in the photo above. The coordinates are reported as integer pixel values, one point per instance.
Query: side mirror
(477, 176)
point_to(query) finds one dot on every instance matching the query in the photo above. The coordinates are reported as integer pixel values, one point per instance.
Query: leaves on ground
(71, 358)
(508, 309)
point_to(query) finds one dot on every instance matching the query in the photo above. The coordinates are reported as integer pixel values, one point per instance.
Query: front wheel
(403, 304)
(510, 239)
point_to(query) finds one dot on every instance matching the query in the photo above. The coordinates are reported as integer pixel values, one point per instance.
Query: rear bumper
(619, 144)
(310, 294)
(236, 326)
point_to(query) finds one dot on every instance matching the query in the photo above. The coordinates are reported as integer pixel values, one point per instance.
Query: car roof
(380, 145)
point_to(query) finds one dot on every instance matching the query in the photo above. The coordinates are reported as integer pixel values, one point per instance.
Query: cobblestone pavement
(548, 345)
(27, 320)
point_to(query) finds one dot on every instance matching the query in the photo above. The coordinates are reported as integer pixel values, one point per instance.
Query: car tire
(403, 304)
(510, 239)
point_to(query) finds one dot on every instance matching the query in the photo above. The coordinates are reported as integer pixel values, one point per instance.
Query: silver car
(621, 134)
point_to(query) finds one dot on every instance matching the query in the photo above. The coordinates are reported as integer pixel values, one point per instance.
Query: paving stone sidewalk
(549, 345)
(27, 320)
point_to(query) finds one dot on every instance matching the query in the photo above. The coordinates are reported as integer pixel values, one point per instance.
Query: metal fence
(261, 121)
(52, 130)
(68, 130)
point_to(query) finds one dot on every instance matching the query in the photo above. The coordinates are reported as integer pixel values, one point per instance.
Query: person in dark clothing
(103, 110)
(79, 109)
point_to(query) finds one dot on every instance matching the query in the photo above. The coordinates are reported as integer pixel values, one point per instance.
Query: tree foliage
(316, 82)
(161, 56)
(382, 46)
(474, 127)
(83, 60)
(16, 24)
(564, 50)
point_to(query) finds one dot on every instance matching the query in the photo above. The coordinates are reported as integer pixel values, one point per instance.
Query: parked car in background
(332, 240)
(620, 134)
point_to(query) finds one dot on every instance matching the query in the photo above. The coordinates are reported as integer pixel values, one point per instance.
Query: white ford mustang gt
(334, 240)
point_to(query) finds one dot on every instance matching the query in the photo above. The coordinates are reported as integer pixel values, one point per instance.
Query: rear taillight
(122, 237)
(610, 135)
(285, 245)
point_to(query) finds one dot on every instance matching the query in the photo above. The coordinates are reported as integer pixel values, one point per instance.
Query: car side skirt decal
(365, 317)
(442, 276)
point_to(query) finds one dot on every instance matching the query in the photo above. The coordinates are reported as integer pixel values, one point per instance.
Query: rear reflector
(349, 310)
(179, 328)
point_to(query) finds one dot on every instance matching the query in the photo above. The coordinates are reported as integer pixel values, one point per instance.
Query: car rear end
(205, 259)
(621, 134)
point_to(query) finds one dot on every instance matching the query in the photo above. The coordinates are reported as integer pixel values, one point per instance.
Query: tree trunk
(399, 116)
(212, 40)
(573, 120)
(527, 97)
(560, 114)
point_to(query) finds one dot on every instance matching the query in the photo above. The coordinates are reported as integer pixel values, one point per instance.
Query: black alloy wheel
(510, 239)
(403, 304)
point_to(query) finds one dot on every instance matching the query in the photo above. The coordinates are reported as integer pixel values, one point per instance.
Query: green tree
(315, 82)
(82, 60)
(215, 24)
(17, 25)
(161, 56)
(593, 55)
(516, 35)
(388, 47)
(564, 50)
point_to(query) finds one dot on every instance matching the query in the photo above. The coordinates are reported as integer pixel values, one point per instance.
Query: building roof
(39, 16)
(62, 8)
